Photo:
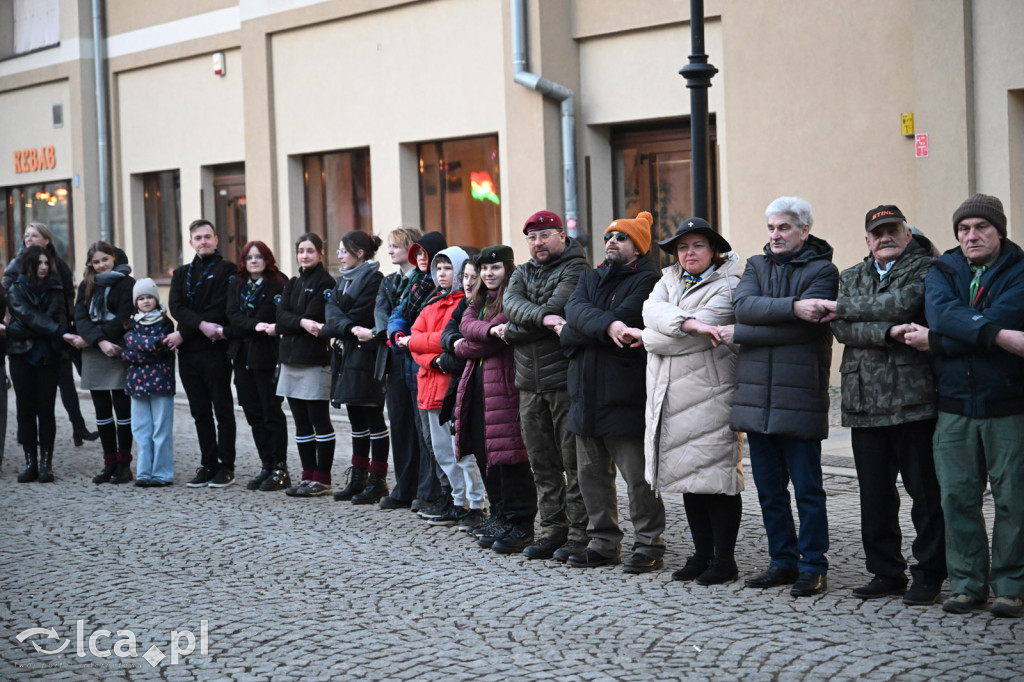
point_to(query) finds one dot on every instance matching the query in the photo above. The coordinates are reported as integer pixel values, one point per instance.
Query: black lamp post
(698, 74)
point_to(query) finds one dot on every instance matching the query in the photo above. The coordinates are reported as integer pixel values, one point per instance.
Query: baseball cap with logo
(883, 215)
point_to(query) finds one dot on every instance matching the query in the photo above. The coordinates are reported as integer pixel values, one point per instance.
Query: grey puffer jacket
(535, 290)
(782, 377)
(884, 382)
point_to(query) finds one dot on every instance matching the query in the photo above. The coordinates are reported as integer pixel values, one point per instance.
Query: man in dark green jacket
(889, 404)
(535, 305)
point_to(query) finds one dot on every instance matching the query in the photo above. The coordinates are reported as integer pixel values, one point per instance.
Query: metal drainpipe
(99, 59)
(557, 92)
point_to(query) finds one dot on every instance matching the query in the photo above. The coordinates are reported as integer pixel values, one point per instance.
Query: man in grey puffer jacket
(535, 305)
(781, 399)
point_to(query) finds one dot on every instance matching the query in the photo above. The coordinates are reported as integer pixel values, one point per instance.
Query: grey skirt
(100, 373)
(304, 382)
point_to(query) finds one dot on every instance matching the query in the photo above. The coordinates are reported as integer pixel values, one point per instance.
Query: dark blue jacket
(975, 378)
(150, 363)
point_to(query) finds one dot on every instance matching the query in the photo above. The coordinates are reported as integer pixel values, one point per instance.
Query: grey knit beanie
(982, 206)
(145, 287)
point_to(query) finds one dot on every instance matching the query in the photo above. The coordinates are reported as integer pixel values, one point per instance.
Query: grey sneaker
(1007, 607)
(962, 603)
(314, 489)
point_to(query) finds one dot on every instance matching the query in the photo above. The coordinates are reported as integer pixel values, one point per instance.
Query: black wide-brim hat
(700, 226)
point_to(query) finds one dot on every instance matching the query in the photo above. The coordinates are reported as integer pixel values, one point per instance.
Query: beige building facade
(278, 117)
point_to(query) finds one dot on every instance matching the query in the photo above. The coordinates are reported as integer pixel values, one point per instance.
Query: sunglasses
(617, 236)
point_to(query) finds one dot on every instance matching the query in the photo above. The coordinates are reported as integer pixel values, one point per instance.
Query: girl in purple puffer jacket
(150, 383)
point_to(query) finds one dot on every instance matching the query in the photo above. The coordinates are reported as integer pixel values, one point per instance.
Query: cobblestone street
(292, 588)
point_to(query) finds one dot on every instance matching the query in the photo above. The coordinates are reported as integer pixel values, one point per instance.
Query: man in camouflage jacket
(535, 305)
(889, 402)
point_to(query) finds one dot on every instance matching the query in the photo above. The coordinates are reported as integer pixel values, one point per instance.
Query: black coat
(248, 348)
(354, 380)
(119, 302)
(304, 297)
(211, 276)
(784, 362)
(607, 384)
(450, 363)
(37, 317)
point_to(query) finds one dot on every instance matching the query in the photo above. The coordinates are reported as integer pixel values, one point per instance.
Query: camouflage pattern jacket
(884, 382)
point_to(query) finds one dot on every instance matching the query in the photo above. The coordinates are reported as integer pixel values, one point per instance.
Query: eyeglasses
(534, 237)
(342, 252)
(617, 236)
(254, 256)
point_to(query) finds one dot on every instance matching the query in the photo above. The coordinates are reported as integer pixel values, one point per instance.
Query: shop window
(651, 172)
(459, 194)
(28, 25)
(162, 205)
(338, 198)
(48, 203)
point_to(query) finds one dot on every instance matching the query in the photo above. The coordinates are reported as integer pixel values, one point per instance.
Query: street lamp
(698, 74)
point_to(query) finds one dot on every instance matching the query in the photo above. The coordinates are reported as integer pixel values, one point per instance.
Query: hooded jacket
(884, 382)
(416, 290)
(784, 362)
(606, 383)
(535, 290)
(688, 445)
(976, 378)
(425, 341)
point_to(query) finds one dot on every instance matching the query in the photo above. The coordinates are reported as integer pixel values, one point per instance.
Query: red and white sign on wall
(921, 145)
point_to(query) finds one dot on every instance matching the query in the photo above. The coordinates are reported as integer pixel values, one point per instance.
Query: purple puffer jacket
(502, 434)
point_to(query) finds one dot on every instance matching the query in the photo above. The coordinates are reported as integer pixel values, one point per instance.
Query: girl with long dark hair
(102, 310)
(38, 320)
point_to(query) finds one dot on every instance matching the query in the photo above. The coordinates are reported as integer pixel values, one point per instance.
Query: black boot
(376, 488)
(122, 473)
(356, 483)
(109, 465)
(31, 471)
(45, 467)
(84, 434)
(278, 478)
(264, 474)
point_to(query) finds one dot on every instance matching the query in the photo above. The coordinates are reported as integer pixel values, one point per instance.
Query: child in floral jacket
(150, 383)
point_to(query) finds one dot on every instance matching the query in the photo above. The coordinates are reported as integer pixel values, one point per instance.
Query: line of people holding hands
(515, 393)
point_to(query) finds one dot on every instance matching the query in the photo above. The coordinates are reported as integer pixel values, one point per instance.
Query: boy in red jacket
(425, 345)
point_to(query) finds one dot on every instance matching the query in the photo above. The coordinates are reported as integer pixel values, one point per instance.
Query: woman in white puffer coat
(691, 378)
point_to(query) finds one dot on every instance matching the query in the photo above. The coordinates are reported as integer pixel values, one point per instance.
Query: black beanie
(981, 206)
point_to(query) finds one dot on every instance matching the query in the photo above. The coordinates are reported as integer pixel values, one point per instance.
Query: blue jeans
(152, 424)
(774, 462)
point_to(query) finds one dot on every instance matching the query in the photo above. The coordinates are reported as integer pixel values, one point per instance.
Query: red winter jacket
(502, 434)
(425, 345)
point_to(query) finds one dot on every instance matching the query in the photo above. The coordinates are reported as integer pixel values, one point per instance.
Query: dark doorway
(229, 209)
(652, 172)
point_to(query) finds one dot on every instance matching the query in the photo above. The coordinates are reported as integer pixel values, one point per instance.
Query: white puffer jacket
(688, 445)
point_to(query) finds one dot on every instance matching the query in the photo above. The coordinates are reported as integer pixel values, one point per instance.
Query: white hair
(796, 207)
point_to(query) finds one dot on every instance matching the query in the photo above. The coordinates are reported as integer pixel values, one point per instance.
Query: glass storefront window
(162, 201)
(338, 197)
(459, 196)
(48, 203)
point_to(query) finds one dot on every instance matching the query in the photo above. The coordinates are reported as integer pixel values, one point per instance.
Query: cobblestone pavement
(310, 588)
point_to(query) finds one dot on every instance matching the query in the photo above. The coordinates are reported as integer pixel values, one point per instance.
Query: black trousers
(206, 377)
(511, 490)
(405, 433)
(881, 453)
(257, 395)
(35, 392)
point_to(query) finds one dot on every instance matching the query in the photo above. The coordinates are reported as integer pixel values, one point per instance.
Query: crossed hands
(623, 336)
(714, 334)
(818, 310)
